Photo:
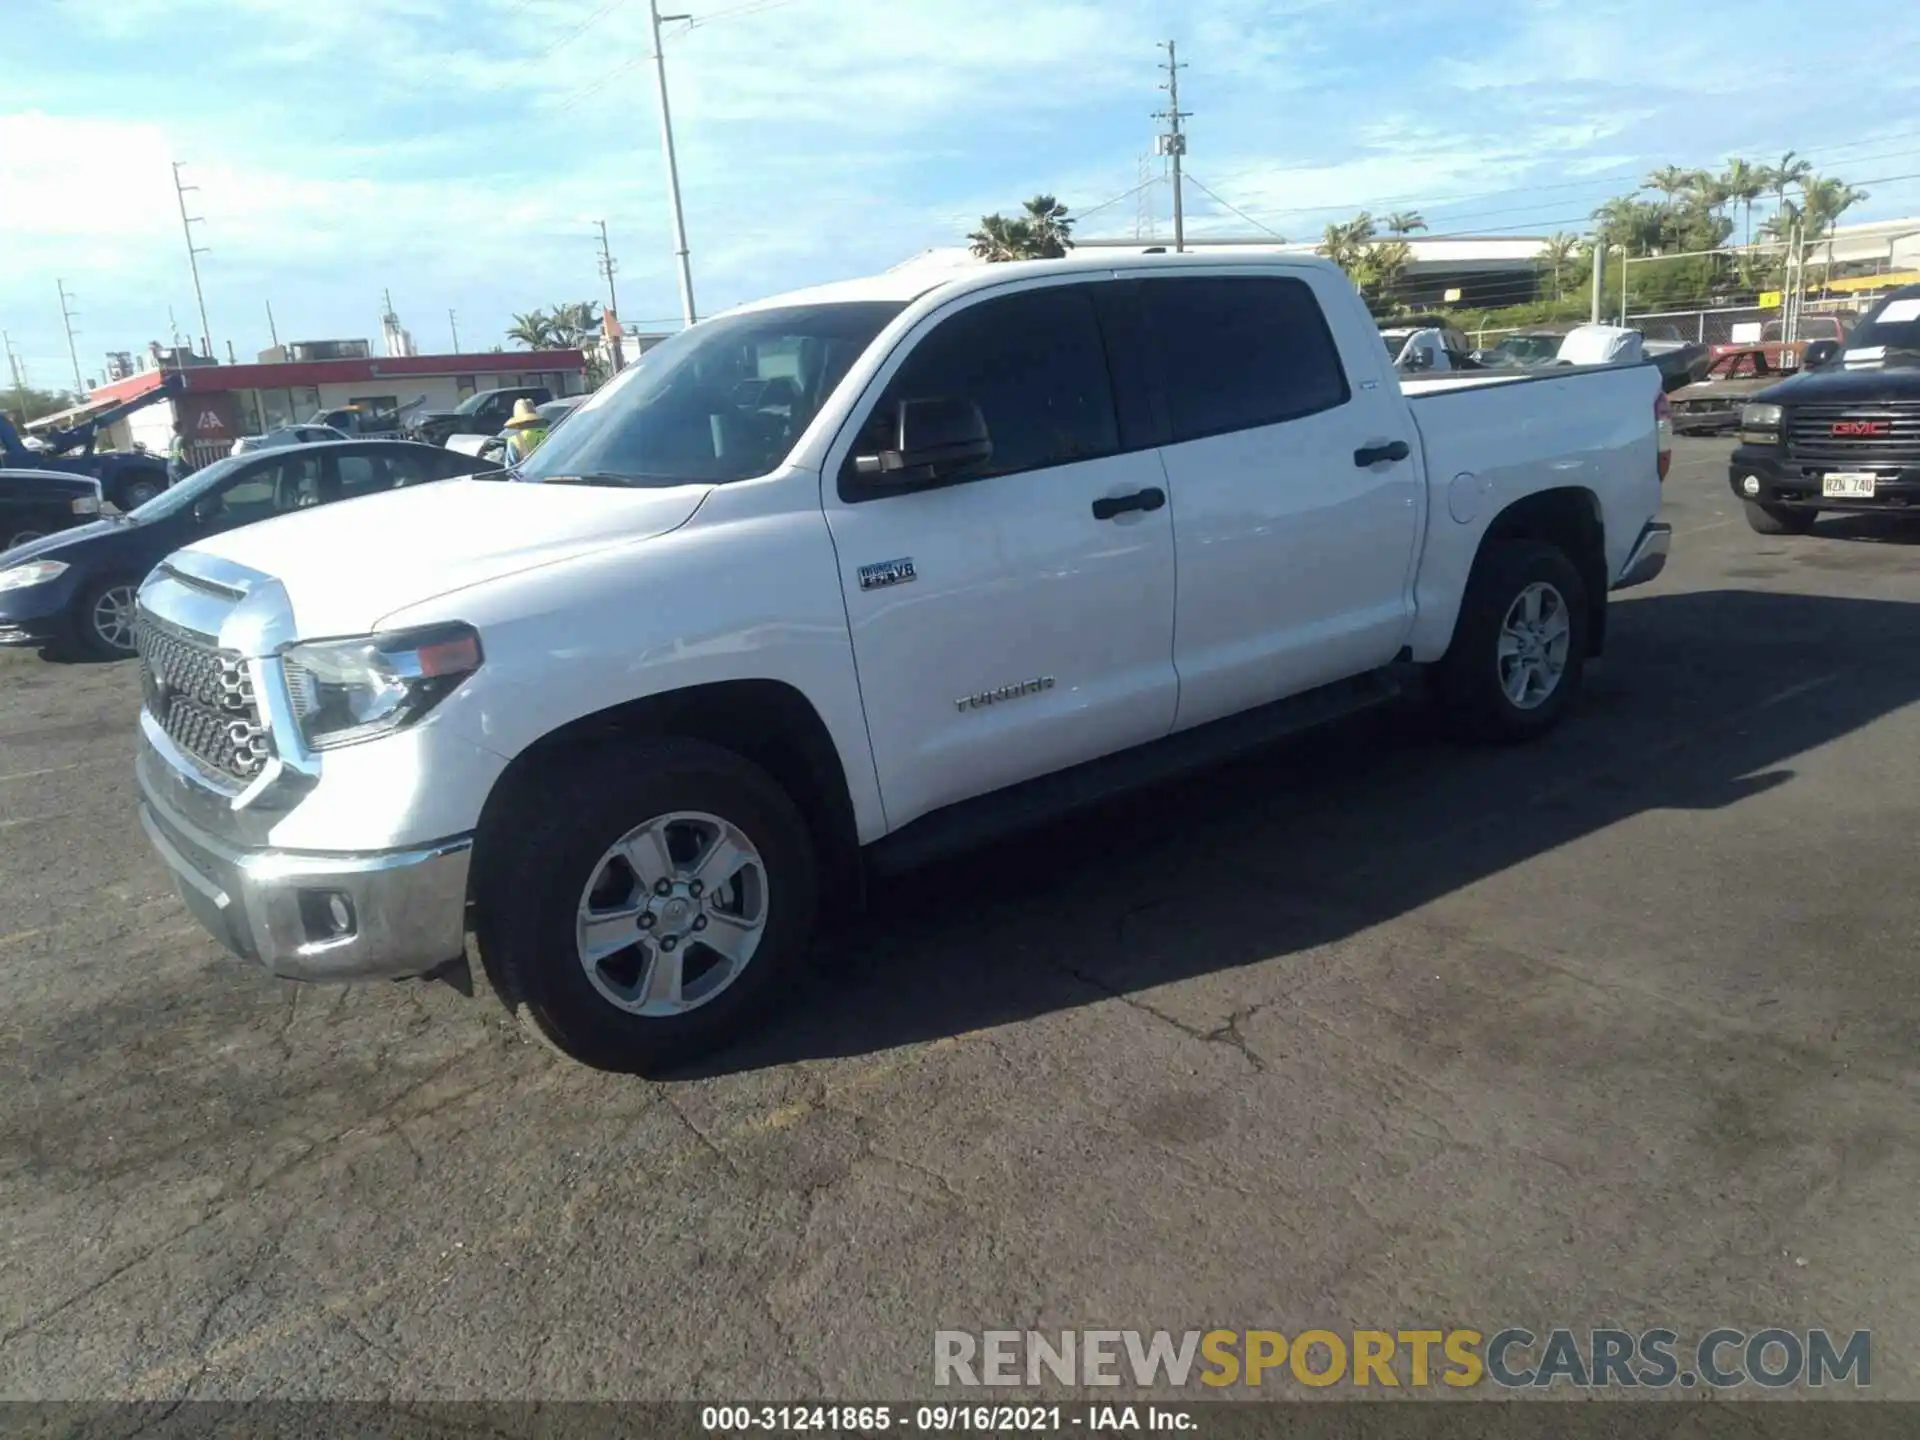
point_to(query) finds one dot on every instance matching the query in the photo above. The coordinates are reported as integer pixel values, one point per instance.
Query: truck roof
(910, 284)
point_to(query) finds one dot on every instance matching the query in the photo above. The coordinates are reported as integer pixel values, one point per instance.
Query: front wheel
(22, 537)
(106, 619)
(1778, 520)
(645, 902)
(1519, 647)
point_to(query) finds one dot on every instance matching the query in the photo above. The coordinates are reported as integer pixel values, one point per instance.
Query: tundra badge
(887, 572)
(1004, 692)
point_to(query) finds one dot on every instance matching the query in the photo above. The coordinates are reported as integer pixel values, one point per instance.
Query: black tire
(1465, 684)
(1778, 520)
(138, 492)
(87, 630)
(542, 855)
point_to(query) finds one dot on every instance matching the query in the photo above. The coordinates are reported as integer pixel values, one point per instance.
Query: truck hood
(347, 566)
(1834, 383)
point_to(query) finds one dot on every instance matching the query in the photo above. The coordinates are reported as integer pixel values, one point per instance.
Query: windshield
(724, 400)
(473, 402)
(180, 497)
(1895, 325)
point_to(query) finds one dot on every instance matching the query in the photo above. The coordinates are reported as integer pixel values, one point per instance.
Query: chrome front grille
(202, 697)
(1872, 436)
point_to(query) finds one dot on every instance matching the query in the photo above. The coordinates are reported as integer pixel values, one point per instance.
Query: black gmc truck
(1843, 434)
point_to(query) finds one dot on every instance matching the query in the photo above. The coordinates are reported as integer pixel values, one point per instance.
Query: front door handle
(1108, 506)
(1368, 455)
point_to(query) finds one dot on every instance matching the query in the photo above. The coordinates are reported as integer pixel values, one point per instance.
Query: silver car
(288, 435)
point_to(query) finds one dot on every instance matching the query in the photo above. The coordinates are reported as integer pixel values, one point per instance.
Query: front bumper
(1648, 556)
(323, 917)
(1794, 484)
(37, 614)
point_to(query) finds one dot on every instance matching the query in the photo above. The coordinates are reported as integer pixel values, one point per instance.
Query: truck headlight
(346, 691)
(1759, 417)
(34, 572)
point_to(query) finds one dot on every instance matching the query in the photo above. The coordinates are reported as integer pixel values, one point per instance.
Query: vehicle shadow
(1704, 700)
(1870, 529)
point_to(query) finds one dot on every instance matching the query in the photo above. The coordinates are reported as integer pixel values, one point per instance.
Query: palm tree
(999, 239)
(1404, 222)
(1346, 243)
(1669, 180)
(1827, 199)
(1745, 183)
(1051, 227)
(1790, 171)
(575, 322)
(1558, 252)
(533, 331)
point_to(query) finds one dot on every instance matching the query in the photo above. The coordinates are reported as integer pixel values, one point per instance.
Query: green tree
(24, 403)
(1404, 222)
(574, 324)
(532, 331)
(1346, 241)
(1744, 183)
(1669, 180)
(1558, 254)
(1043, 231)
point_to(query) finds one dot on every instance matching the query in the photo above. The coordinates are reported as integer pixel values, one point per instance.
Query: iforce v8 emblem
(887, 572)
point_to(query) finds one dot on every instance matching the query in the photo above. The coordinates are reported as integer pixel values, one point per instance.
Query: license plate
(1848, 485)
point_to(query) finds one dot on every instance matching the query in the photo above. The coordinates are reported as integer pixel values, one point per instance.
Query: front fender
(748, 589)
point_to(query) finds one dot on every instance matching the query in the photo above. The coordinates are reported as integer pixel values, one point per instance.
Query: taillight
(1663, 431)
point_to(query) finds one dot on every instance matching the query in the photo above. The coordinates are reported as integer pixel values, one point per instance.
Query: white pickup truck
(842, 580)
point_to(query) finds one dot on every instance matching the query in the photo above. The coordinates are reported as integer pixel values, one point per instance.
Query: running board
(970, 824)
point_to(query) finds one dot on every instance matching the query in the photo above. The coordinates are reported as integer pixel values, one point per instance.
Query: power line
(1236, 209)
(1589, 182)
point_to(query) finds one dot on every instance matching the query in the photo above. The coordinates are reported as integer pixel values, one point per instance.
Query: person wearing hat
(525, 431)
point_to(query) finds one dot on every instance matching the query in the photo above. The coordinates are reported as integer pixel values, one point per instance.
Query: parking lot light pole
(673, 167)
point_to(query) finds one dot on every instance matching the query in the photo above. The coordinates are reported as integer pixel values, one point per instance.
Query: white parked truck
(845, 579)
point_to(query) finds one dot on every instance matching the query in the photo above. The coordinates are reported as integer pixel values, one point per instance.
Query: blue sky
(458, 151)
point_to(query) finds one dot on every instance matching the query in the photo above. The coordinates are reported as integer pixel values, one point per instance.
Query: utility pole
(673, 166)
(1599, 273)
(194, 252)
(273, 331)
(454, 326)
(13, 361)
(607, 266)
(67, 316)
(1173, 143)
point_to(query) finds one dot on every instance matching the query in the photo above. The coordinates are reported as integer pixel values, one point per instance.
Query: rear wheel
(106, 619)
(1519, 647)
(1778, 520)
(644, 906)
(139, 492)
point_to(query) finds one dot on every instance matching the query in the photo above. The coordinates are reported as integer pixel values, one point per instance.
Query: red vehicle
(1787, 355)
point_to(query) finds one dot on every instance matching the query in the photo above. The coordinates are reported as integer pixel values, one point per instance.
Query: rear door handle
(1368, 455)
(1108, 506)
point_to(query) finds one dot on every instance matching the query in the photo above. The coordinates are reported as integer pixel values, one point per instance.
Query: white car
(850, 578)
(287, 435)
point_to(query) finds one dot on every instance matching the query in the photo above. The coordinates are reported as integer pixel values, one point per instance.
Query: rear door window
(1241, 351)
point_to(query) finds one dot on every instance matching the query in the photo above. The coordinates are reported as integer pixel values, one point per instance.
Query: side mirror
(935, 439)
(1821, 351)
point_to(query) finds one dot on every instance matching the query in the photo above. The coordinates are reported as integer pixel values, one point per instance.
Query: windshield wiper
(594, 477)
